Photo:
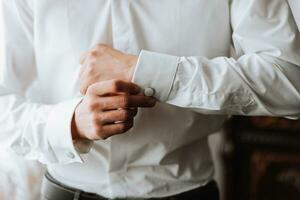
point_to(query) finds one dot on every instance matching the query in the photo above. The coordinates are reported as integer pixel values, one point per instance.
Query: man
(174, 51)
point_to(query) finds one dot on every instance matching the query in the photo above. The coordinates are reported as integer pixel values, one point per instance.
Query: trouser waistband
(54, 190)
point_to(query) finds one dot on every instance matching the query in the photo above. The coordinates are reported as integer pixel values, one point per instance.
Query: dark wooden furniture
(262, 159)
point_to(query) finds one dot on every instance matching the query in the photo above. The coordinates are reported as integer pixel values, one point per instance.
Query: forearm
(261, 81)
(251, 85)
(37, 131)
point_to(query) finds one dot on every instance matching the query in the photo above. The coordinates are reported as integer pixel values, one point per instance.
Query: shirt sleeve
(33, 130)
(295, 7)
(262, 80)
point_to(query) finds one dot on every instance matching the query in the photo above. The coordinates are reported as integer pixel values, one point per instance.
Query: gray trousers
(53, 190)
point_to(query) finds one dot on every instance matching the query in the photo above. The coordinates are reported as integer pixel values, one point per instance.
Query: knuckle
(95, 120)
(116, 85)
(92, 54)
(91, 69)
(101, 117)
(124, 101)
(90, 90)
(91, 57)
(101, 103)
(102, 48)
(125, 115)
(92, 105)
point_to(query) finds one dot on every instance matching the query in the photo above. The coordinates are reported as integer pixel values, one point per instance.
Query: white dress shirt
(295, 7)
(183, 48)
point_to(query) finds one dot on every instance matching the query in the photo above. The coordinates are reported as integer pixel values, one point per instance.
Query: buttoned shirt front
(184, 62)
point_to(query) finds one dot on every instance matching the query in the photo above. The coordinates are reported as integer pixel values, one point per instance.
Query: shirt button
(149, 92)
(71, 155)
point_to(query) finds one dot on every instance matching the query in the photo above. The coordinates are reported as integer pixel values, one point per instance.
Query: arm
(30, 129)
(263, 80)
(46, 132)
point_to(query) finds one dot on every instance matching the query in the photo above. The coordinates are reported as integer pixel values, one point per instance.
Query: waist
(53, 189)
(163, 159)
(143, 181)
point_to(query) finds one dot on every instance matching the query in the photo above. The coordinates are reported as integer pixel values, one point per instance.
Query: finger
(120, 115)
(125, 101)
(115, 129)
(134, 111)
(101, 49)
(113, 86)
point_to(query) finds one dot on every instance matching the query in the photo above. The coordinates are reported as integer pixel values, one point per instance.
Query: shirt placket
(122, 25)
(122, 38)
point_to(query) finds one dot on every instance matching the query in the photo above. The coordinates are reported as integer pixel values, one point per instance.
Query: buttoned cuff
(58, 131)
(156, 71)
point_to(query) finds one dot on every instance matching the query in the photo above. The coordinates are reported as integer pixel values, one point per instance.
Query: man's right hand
(108, 109)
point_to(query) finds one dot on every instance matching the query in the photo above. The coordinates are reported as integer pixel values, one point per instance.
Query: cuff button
(149, 92)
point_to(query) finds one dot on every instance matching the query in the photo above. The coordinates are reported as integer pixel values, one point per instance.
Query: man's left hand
(105, 63)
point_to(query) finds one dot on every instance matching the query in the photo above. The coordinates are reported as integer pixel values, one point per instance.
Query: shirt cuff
(58, 131)
(83, 146)
(156, 71)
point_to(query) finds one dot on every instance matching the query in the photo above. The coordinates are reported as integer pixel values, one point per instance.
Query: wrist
(132, 65)
(81, 145)
(74, 130)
